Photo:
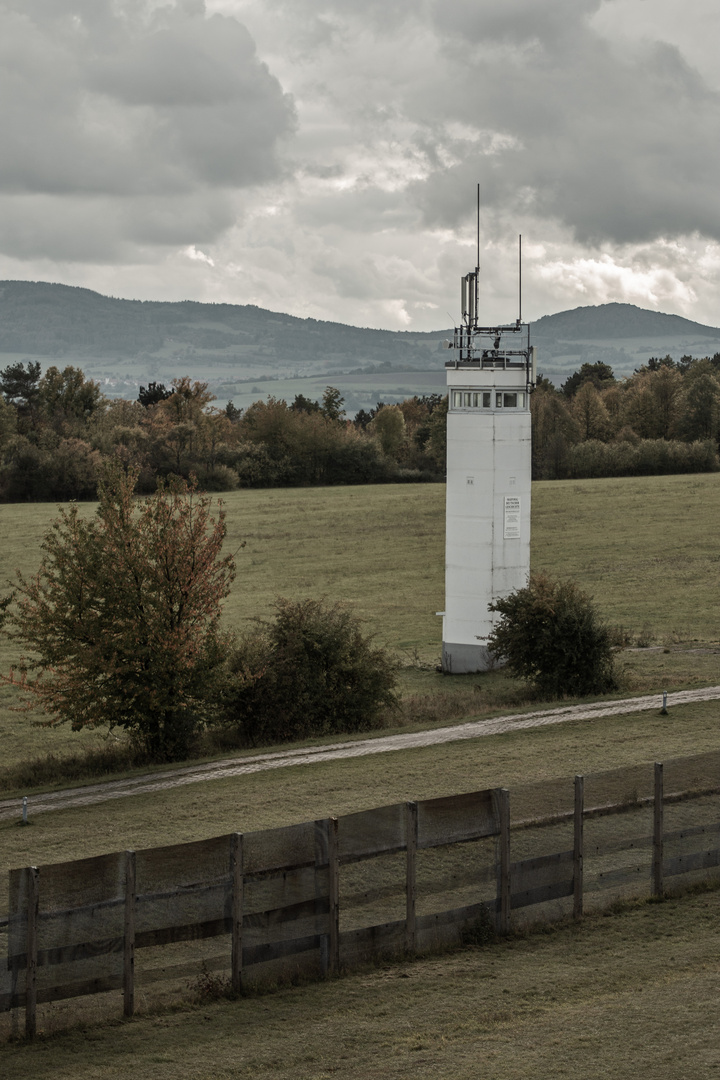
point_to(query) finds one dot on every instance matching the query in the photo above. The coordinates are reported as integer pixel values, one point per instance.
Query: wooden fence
(308, 900)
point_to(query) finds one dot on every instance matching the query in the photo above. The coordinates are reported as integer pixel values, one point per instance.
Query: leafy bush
(550, 634)
(310, 672)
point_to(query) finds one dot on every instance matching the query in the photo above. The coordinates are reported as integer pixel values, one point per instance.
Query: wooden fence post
(129, 936)
(321, 889)
(238, 881)
(334, 897)
(578, 847)
(411, 833)
(33, 910)
(658, 882)
(503, 884)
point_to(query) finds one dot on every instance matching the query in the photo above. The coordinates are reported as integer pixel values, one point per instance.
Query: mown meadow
(646, 548)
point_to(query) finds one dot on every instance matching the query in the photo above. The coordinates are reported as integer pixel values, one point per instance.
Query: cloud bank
(322, 156)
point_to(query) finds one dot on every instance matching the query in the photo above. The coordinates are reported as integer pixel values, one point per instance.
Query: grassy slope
(596, 1001)
(645, 547)
(607, 999)
(306, 792)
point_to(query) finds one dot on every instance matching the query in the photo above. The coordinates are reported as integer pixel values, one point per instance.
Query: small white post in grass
(24, 817)
(664, 711)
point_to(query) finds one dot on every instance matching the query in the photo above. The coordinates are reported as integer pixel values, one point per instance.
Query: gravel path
(218, 770)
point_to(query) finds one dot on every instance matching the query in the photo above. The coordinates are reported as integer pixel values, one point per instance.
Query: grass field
(596, 1001)
(646, 548)
(635, 993)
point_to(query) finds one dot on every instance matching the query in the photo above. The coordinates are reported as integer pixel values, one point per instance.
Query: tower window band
(486, 399)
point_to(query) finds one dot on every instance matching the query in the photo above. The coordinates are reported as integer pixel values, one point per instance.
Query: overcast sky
(322, 158)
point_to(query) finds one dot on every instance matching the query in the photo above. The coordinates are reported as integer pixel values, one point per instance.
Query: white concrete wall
(488, 458)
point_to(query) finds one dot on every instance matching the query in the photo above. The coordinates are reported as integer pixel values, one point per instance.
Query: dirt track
(218, 770)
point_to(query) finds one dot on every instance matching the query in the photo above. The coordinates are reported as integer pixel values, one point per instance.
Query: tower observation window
(483, 399)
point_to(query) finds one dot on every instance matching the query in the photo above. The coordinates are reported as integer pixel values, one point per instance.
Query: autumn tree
(67, 399)
(388, 426)
(121, 621)
(590, 413)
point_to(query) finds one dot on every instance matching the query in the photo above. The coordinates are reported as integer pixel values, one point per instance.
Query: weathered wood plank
(456, 818)
(237, 913)
(193, 903)
(33, 906)
(542, 863)
(284, 888)
(333, 896)
(658, 886)
(694, 860)
(501, 805)
(129, 936)
(62, 992)
(411, 832)
(287, 922)
(711, 829)
(279, 849)
(168, 935)
(371, 832)
(639, 844)
(540, 894)
(370, 942)
(619, 875)
(459, 917)
(446, 928)
(69, 954)
(274, 950)
(578, 846)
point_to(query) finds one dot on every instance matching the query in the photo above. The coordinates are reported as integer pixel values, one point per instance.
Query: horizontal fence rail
(313, 899)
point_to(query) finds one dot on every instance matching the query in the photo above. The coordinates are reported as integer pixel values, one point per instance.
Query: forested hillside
(57, 427)
(42, 319)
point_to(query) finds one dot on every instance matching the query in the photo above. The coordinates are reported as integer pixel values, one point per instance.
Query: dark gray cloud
(161, 110)
(618, 145)
(151, 147)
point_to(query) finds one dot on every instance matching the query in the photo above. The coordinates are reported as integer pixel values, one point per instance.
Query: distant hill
(618, 321)
(621, 335)
(245, 352)
(56, 320)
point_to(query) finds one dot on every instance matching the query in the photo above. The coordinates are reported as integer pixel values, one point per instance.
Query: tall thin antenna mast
(478, 227)
(519, 279)
(477, 265)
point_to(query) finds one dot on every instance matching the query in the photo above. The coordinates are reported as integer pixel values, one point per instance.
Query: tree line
(57, 429)
(665, 418)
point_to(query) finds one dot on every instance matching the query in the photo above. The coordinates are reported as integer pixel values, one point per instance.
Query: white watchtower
(487, 546)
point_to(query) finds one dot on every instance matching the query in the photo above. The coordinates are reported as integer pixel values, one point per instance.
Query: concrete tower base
(466, 659)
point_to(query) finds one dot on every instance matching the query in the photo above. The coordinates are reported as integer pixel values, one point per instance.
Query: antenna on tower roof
(478, 228)
(519, 321)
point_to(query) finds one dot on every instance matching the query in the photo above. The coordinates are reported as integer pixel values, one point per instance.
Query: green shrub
(550, 634)
(309, 672)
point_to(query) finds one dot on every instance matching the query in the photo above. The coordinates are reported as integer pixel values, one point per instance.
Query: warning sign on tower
(511, 518)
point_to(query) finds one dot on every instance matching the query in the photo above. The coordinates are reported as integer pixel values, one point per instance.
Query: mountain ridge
(244, 351)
